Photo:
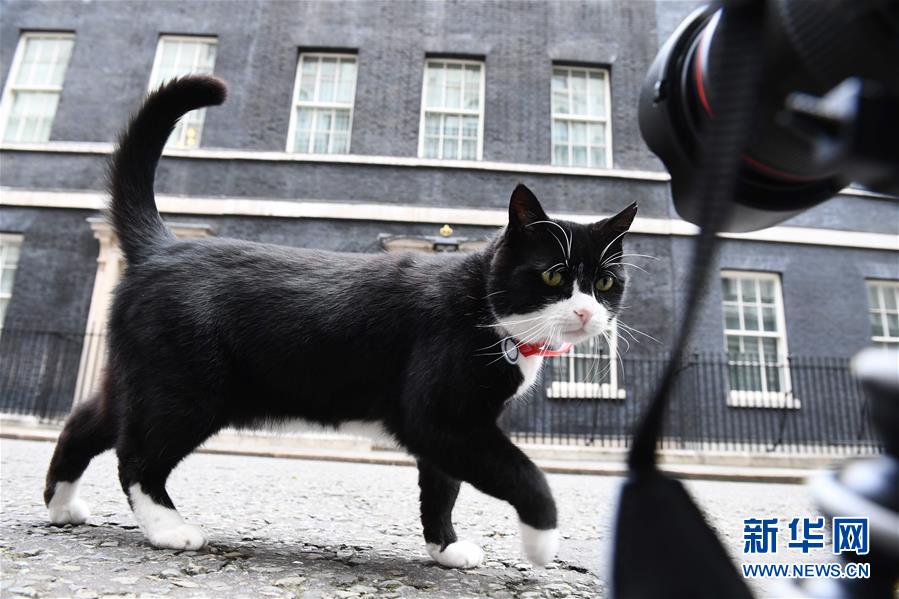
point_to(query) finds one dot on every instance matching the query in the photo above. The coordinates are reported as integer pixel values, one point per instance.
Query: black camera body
(803, 148)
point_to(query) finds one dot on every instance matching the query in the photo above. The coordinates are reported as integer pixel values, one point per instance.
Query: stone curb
(397, 458)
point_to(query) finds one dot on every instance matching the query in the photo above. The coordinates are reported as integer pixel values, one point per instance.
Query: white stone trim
(91, 200)
(105, 148)
(78, 147)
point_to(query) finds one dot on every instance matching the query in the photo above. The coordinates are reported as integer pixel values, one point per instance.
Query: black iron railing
(806, 405)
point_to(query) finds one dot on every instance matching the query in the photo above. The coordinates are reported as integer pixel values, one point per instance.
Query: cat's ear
(524, 209)
(621, 222)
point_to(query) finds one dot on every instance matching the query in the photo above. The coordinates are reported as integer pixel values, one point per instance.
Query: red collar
(528, 349)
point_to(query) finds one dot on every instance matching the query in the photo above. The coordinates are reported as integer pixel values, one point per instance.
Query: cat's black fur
(208, 333)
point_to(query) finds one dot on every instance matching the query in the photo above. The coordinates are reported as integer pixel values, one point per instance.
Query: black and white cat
(210, 333)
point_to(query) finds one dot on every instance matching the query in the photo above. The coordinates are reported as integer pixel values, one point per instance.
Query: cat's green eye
(605, 283)
(552, 278)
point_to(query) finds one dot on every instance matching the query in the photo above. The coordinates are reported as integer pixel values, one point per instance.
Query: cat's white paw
(540, 546)
(181, 537)
(65, 507)
(461, 554)
(75, 511)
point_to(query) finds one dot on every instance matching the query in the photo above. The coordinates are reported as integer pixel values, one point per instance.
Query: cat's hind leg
(438, 496)
(91, 429)
(148, 451)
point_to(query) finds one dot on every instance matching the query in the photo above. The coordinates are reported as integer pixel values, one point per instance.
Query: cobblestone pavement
(292, 528)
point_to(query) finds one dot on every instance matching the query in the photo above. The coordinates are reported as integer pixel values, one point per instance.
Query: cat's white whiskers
(629, 328)
(629, 334)
(494, 293)
(640, 268)
(626, 343)
(503, 323)
(622, 254)
(503, 339)
(617, 237)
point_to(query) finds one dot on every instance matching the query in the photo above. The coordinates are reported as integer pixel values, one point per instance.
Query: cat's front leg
(438, 496)
(489, 461)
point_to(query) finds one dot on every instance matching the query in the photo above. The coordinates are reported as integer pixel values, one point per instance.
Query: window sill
(760, 399)
(566, 390)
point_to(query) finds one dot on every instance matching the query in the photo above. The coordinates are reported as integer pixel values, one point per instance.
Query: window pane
(470, 127)
(327, 79)
(451, 126)
(773, 376)
(435, 86)
(734, 346)
(432, 147)
(873, 296)
(347, 81)
(893, 325)
(453, 97)
(301, 141)
(578, 133)
(6, 282)
(560, 91)
(469, 150)
(769, 319)
(748, 288)
(769, 346)
(472, 87)
(750, 319)
(578, 94)
(320, 143)
(596, 95)
(731, 318)
(877, 329)
(729, 289)
(450, 149)
(597, 157)
(889, 298)
(342, 121)
(766, 287)
(578, 156)
(560, 132)
(560, 155)
(304, 118)
(597, 134)
(338, 143)
(432, 124)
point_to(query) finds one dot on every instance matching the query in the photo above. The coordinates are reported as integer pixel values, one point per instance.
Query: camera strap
(736, 62)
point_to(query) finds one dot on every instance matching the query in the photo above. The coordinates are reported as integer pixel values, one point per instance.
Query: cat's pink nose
(584, 314)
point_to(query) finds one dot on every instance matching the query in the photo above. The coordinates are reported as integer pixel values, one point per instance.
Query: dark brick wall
(56, 269)
(259, 41)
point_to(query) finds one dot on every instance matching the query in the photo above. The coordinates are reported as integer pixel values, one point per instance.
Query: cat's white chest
(530, 370)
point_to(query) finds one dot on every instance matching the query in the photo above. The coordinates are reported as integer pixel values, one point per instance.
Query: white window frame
(296, 103)
(606, 120)
(761, 399)
(7, 239)
(152, 84)
(883, 286)
(575, 389)
(10, 88)
(479, 152)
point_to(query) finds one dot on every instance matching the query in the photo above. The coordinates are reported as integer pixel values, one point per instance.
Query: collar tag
(510, 351)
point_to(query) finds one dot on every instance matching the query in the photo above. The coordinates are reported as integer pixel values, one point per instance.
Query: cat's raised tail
(133, 168)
